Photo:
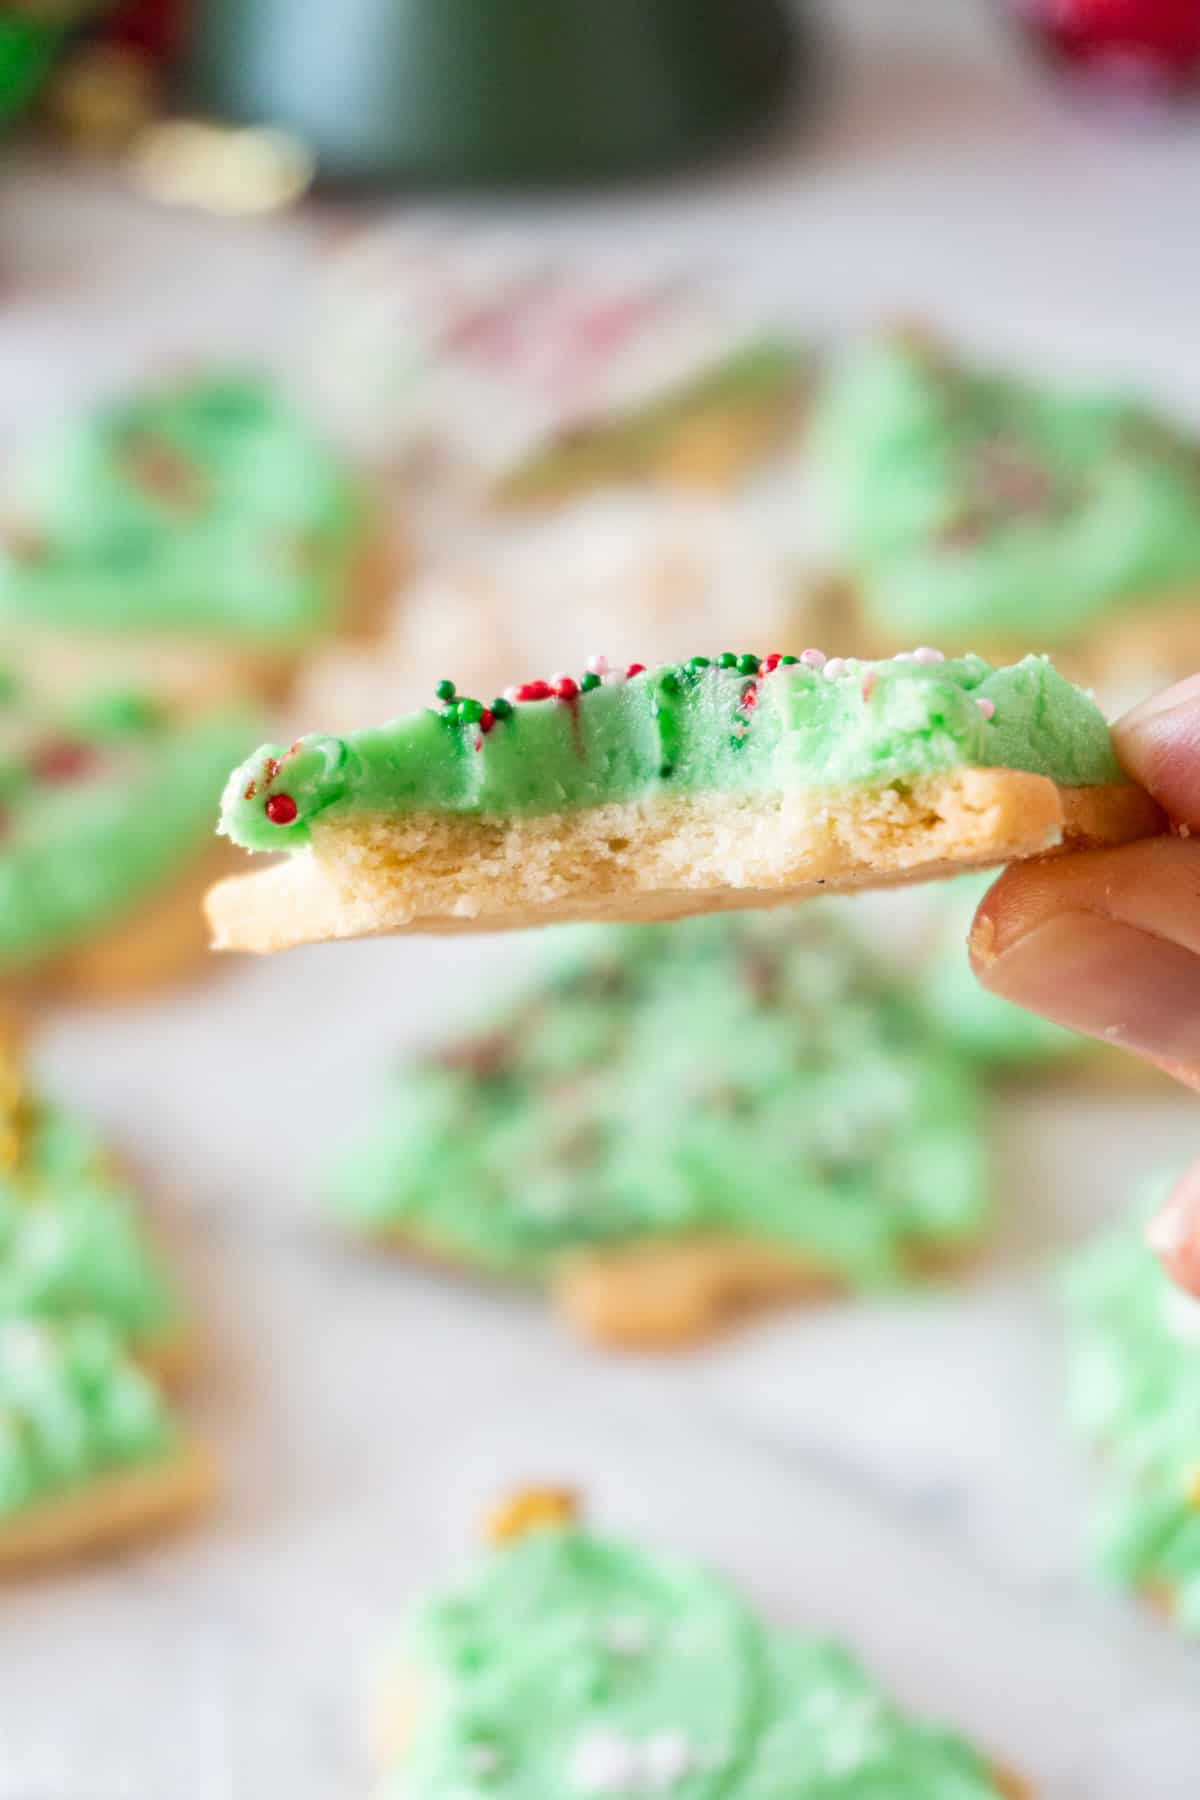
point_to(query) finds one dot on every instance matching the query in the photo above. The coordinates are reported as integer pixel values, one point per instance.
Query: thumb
(1174, 1233)
(1159, 746)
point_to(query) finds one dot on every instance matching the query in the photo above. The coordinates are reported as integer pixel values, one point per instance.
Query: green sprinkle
(502, 708)
(445, 690)
(698, 662)
(669, 683)
(787, 661)
(747, 664)
(470, 711)
(727, 660)
(588, 682)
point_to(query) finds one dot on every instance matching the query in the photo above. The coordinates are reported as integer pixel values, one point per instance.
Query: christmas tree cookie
(106, 804)
(1134, 1394)
(677, 1124)
(72, 1237)
(570, 1664)
(633, 793)
(991, 512)
(195, 533)
(90, 1454)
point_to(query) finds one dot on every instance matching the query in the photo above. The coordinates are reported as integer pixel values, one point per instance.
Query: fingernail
(1108, 980)
(1174, 1233)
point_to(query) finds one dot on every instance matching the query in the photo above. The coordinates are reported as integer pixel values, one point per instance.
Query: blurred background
(556, 286)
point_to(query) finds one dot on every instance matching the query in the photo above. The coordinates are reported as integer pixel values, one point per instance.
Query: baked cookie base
(665, 859)
(670, 1293)
(115, 1508)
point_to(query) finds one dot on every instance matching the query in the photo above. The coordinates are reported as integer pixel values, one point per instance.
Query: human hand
(1108, 942)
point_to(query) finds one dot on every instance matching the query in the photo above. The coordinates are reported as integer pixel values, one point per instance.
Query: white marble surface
(894, 1473)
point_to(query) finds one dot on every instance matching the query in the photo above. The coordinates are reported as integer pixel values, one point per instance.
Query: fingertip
(1173, 1234)
(1158, 743)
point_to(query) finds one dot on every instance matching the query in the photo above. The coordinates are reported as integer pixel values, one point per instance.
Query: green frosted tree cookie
(569, 1664)
(752, 1079)
(983, 509)
(1134, 1395)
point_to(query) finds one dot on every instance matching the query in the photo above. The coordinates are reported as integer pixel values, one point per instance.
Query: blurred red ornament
(155, 27)
(1132, 49)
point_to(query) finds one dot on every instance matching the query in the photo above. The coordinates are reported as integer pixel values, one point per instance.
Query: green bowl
(488, 91)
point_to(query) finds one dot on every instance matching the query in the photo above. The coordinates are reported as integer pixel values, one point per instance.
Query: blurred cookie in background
(678, 1123)
(194, 534)
(92, 1327)
(524, 377)
(647, 575)
(980, 510)
(108, 803)
(1134, 1402)
(617, 1669)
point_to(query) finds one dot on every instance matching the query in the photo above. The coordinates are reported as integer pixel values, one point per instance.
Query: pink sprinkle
(834, 667)
(926, 655)
(813, 659)
(868, 685)
(597, 664)
(986, 707)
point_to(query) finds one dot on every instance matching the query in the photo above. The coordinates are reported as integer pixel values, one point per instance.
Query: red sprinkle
(281, 809)
(567, 688)
(62, 759)
(770, 663)
(487, 719)
(270, 769)
(535, 690)
(868, 685)
(249, 791)
(749, 699)
(635, 669)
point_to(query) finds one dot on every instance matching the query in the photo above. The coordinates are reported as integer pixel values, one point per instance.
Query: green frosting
(1134, 1397)
(750, 1074)
(985, 508)
(71, 1235)
(572, 1665)
(73, 1407)
(770, 726)
(102, 802)
(993, 1032)
(205, 507)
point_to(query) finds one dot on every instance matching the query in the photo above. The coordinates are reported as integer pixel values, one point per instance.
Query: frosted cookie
(514, 375)
(989, 511)
(72, 1236)
(730, 781)
(676, 1124)
(570, 1664)
(195, 532)
(1134, 1397)
(90, 1454)
(106, 805)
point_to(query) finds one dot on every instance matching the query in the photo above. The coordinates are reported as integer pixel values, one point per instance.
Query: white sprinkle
(597, 664)
(834, 667)
(813, 659)
(986, 707)
(667, 1758)
(511, 693)
(613, 678)
(1182, 1315)
(482, 1759)
(605, 1763)
(926, 655)
(904, 656)
(624, 1637)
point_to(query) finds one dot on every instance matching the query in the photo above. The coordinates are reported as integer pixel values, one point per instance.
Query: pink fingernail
(1174, 1233)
